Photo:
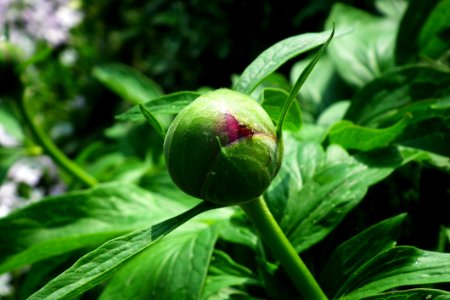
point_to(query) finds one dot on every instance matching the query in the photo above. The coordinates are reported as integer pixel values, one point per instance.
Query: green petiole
(271, 233)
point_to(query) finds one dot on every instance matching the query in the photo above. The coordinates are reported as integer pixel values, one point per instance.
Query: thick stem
(271, 233)
(52, 150)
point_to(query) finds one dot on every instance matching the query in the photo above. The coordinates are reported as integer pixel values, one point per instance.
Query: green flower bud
(223, 148)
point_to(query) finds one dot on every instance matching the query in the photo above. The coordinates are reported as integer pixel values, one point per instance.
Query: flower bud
(223, 148)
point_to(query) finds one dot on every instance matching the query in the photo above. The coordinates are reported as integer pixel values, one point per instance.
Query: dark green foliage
(361, 193)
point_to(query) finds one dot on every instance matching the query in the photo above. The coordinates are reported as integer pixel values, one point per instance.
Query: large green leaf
(100, 264)
(414, 294)
(395, 90)
(273, 57)
(368, 51)
(355, 252)
(434, 37)
(163, 105)
(127, 82)
(396, 267)
(161, 271)
(60, 224)
(351, 136)
(331, 183)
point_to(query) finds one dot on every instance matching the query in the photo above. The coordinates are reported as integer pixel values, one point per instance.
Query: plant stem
(52, 150)
(271, 233)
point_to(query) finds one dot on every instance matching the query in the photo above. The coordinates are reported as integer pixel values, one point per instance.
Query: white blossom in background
(27, 171)
(5, 285)
(29, 21)
(7, 140)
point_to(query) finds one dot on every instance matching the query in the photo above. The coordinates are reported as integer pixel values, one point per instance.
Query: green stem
(271, 233)
(52, 150)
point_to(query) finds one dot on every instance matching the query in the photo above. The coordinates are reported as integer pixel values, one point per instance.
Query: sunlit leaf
(356, 251)
(331, 184)
(100, 264)
(127, 82)
(160, 272)
(351, 136)
(395, 90)
(273, 57)
(396, 267)
(163, 105)
(414, 294)
(367, 51)
(60, 224)
(333, 113)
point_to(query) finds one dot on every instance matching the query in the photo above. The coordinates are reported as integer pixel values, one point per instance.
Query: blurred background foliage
(181, 45)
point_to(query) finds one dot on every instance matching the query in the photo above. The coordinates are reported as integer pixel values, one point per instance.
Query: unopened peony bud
(222, 148)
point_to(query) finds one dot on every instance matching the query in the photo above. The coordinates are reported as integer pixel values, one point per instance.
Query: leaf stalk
(271, 233)
(52, 150)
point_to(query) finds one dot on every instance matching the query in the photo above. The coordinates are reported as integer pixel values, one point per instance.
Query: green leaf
(275, 56)
(321, 87)
(127, 82)
(9, 123)
(355, 252)
(238, 231)
(351, 136)
(275, 80)
(299, 83)
(367, 52)
(332, 183)
(407, 48)
(333, 113)
(414, 294)
(174, 268)
(274, 100)
(448, 234)
(395, 90)
(223, 264)
(60, 224)
(396, 267)
(163, 105)
(151, 119)
(100, 264)
(441, 162)
(391, 8)
(434, 37)
(220, 287)
(42, 272)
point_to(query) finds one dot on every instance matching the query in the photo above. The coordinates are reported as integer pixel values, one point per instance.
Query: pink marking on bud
(236, 130)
